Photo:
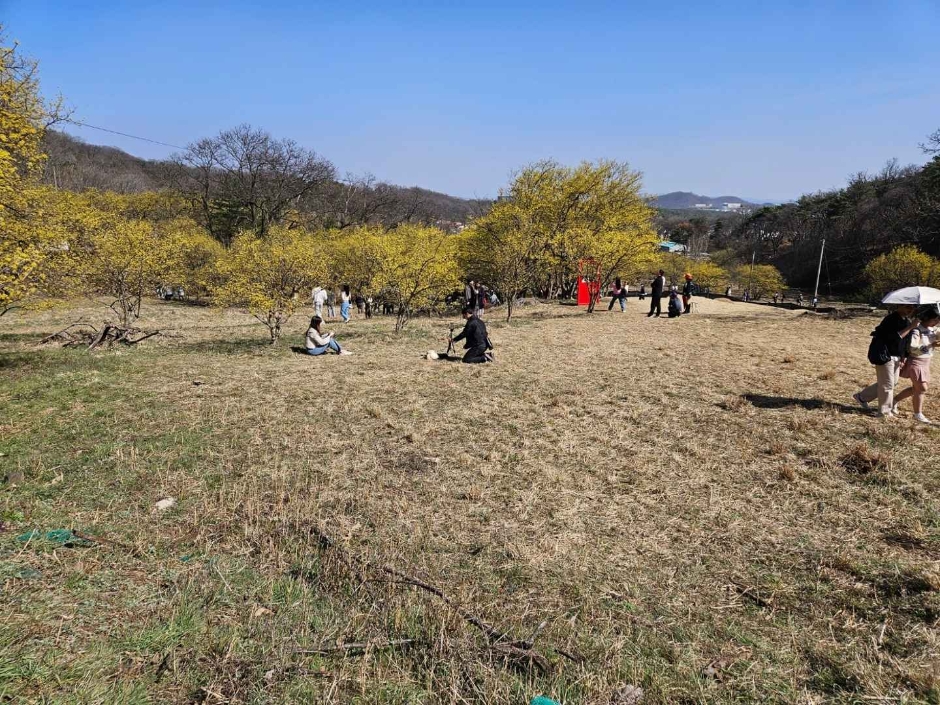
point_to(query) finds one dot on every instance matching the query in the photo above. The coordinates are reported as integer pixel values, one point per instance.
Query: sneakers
(345, 352)
(922, 419)
(886, 415)
(861, 402)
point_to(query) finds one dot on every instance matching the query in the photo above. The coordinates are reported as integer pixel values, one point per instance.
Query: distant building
(732, 206)
(702, 205)
(673, 247)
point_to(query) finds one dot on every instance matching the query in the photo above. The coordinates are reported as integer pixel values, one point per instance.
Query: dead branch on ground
(85, 334)
(517, 652)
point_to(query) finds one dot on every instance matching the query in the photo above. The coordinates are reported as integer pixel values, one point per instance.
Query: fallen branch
(517, 652)
(101, 539)
(358, 647)
(751, 594)
(523, 658)
(65, 337)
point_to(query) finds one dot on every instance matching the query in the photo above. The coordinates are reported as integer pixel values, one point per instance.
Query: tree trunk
(593, 302)
(509, 308)
(401, 319)
(274, 328)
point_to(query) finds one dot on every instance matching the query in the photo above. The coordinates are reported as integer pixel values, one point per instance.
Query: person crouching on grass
(886, 352)
(675, 306)
(319, 343)
(477, 343)
(916, 368)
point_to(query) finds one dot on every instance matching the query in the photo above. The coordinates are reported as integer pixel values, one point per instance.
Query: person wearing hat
(687, 290)
(319, 342)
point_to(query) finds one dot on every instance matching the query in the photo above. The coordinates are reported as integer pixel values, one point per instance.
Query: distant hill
(680, 200)
(75, 165)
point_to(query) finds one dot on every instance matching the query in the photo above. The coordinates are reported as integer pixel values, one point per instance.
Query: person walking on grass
(887, 352)
(618, 293)
(319, 298)
(319, 343)
(916, 368)
(469, 294)
(345, 303)
(331, 304)
(642, 292)
(481, 301)
(656, 302)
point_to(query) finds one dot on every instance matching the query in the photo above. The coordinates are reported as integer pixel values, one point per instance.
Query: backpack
(878, 350)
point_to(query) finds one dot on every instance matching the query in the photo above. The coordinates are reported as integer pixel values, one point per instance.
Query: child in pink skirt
(919, 353)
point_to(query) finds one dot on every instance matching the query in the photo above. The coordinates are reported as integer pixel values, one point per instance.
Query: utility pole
(819, 269)
(750, 276)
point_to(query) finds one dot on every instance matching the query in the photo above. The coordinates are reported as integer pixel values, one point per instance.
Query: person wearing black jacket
(688, 289)
(886, 352)
(476, 342)
(656, 300)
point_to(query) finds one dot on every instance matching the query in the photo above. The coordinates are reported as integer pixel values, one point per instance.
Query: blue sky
(765, 100)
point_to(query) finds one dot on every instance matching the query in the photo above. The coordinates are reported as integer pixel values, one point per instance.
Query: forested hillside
(337, 201)
(871, 216)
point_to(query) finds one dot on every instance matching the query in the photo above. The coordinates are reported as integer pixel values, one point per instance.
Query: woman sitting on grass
(319, 343)
(917, 366)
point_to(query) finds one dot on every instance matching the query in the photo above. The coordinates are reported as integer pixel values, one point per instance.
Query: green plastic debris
(542, 700)
(61, 537)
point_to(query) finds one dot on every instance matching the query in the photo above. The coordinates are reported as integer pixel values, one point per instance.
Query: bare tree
(245, 178)
(932, 145)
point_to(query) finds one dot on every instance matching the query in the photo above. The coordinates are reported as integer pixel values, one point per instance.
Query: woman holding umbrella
(887, 350)
(916, 368)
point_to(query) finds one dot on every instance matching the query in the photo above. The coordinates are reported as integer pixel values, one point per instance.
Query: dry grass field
(691, 507)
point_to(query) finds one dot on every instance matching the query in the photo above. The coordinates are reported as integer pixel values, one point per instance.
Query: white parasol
(913, 296)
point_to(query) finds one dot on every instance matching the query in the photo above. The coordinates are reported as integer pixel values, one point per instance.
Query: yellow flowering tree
(193, 255)
(417, 268)
(554, 216)
(761, 280)
(354, 257)
(25, 243)
(270, 276)
(705, 273)
(502, 250)
(903, 266)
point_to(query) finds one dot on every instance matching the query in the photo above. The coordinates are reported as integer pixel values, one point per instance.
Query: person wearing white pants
(887, 345)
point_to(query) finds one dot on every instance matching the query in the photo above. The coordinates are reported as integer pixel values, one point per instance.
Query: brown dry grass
(681, 509)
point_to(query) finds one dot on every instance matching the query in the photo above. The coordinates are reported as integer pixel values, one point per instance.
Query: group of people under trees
(676, 306)
(326, 298)
(478, 297)
(902, 345)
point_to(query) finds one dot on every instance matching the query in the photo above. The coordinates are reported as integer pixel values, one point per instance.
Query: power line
(124, 134)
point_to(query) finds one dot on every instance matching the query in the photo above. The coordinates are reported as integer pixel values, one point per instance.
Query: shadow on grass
(15, 338)
(45, 358)
(764, 401)
(226, 347)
